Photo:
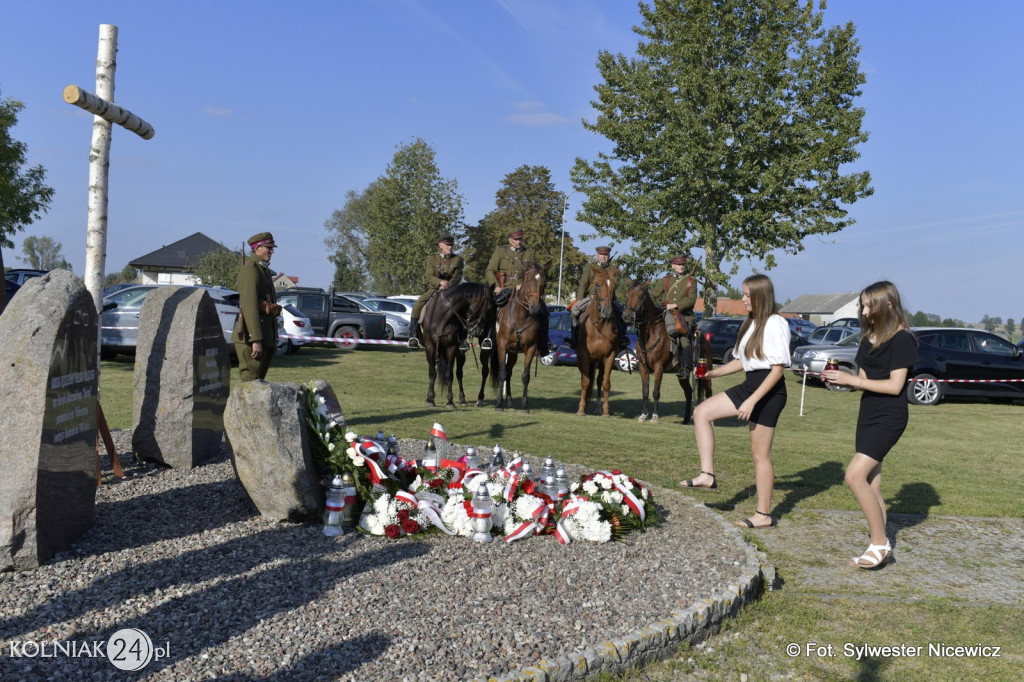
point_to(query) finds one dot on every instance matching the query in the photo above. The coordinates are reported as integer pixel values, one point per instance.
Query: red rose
(616, 472)
(403, 514)
(410, 526)
(435, 483)
(392, 531)
(529, 486)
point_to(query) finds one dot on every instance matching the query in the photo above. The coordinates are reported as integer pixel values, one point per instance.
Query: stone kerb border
(660, 640)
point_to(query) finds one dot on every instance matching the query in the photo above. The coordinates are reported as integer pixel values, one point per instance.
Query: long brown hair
(762, 306)
(887, 314)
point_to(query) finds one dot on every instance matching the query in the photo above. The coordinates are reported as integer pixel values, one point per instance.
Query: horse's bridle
(644, 321)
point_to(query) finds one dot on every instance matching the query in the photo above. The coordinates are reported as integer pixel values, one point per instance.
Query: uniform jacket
(589, 273)
(513, 262)
(440, 268)
(681, 290)
(254, 284)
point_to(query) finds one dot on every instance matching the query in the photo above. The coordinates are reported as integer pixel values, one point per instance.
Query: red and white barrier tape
(947, 381)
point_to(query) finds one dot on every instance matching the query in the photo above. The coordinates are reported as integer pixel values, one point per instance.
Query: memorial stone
(182, 378)
(266, 427)
(49, 381)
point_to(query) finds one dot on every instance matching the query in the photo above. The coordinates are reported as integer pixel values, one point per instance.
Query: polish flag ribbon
(570, 508)
(629, 498)
(537, 522)
(429, 505)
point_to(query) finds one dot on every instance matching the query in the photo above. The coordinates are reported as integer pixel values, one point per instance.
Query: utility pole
(561, 250)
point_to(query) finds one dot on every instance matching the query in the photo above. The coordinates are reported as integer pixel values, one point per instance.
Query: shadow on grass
(910, 506)
(798, 487)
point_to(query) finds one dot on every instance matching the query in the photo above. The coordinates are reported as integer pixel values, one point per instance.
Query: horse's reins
(643, 322)
(525, 303)
(593, 310)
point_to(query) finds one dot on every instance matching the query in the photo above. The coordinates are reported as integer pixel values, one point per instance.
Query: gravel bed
(185, 557)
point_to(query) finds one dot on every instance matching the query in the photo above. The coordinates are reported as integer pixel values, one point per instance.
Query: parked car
(11, 288)
(397, 324)
(812, 358)
(721, 333)
(117, 287)
(21, 275)
(830, 335)
(850, 322)
(338, 317)
(559, 331)
(964, 354)
(801, 328)
(291, 324)
(120, 319)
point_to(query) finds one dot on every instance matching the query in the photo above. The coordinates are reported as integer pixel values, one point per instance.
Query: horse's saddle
(501, 298)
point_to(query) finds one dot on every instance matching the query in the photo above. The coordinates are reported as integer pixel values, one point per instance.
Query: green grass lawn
(957, 458)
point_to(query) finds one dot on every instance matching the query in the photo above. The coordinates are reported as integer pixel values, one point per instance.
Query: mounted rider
(505, 273)
(677, 294)
(442, 271)
(601, 266)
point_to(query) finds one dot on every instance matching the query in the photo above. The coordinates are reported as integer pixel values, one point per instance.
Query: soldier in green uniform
(443, 270)
(505, 273)
(677, 294)
(255, 333)
(590, 272)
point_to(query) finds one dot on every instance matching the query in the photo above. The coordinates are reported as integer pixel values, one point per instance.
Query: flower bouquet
(623, 501)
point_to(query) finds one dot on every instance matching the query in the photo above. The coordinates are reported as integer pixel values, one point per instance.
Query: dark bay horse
(515, 332)
(598, 341)
(654, 351)
(467, 306)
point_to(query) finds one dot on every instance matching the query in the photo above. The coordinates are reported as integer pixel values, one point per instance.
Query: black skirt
(768, 409)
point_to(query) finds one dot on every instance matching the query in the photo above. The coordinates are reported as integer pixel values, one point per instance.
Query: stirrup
(486, 344)
(464, 346)
(413, 343)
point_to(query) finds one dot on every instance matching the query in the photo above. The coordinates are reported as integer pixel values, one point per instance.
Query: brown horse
(654, 351)
(598, 341)
(466, 306)
(516, 331)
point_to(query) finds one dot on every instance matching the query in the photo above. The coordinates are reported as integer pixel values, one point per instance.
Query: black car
(559, 331)
(965, 362)
(721, 333)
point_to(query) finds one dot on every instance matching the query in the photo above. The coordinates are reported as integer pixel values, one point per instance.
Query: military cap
(515, 234)
(604, 250)
(446, 240)
(261, 239)
(679, 260)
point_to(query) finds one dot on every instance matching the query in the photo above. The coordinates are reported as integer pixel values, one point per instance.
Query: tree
(527, 201)
(24, 196)
(43, 253)
(728, 132)
(128, 275)
(409, 208)
(346, 239)
(731, 292)
(1011, 327)
(218, 268)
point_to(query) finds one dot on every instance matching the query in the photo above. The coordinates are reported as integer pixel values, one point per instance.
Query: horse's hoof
(450, 406)
(581, 413)
(431, 403)
(606, 415)
(479, 403)
(654, 419)
(642, 418)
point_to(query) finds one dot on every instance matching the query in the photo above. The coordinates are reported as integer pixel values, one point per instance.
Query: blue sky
(267, 113)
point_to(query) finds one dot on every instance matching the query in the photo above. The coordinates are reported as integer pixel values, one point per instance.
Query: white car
(294, 327)
(398, 315)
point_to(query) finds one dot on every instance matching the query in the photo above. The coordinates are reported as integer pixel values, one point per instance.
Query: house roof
(181, 255)
(724, 306)
(820, 304)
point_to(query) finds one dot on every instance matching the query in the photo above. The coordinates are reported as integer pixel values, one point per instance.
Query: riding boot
(683, 358)
(416, 340)
(623, 338)
(574, 334)
(544, 345)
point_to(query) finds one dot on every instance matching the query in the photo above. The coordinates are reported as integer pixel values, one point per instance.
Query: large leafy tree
(43, 253)
(730, 130)
(409, 208)
(346, 240)
(527, 201)
(24, 195)
(218, 268)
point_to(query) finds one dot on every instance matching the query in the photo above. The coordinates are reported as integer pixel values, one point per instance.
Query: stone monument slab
(182, 378)
(49, 383)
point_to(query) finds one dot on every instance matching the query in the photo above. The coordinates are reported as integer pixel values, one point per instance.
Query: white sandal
(876, 556)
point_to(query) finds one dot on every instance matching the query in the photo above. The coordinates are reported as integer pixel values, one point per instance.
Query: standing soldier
(505, 273)
(677, 294)
(255, 334)
(442, 271)
(590, 272)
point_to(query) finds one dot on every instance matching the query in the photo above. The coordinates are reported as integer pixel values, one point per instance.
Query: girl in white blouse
(762, 351)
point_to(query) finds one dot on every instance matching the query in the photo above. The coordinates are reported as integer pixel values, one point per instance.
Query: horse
(598, 341)
(515, 332)
(654, 351)
(468, 305)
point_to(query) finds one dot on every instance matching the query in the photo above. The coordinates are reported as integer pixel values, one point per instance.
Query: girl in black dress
(762, 351)
(887, 351)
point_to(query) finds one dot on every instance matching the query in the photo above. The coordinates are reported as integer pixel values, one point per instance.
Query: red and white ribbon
(561, 534)
(629, 498)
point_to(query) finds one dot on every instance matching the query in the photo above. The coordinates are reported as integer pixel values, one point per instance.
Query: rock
(182, 378)
(266, 426)
(48, 373)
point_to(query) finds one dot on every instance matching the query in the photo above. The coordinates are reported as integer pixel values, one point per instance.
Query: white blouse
(774, 345)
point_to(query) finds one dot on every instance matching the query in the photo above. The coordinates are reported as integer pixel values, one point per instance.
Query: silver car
(397, 325)
(120, 319)
(813, 358)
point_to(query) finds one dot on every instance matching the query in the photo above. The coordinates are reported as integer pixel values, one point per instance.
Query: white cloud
(218, 111)
(538, 120)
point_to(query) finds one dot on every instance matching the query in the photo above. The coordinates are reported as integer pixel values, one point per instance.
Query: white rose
(590, 488)
(606, 483)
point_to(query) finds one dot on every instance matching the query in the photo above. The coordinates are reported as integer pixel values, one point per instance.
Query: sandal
(876, 557)
(690, 484)
(747, 523)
